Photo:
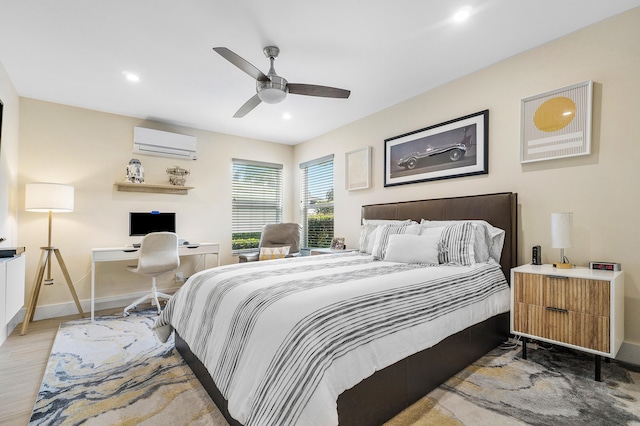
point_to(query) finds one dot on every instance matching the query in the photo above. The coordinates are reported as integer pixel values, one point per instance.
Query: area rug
(115, 372)
(554, 386)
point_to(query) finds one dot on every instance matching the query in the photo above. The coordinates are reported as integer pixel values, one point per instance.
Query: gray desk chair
(158, 254)
(276, 235)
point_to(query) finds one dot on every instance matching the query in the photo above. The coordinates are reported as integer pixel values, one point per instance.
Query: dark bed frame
(390, 390)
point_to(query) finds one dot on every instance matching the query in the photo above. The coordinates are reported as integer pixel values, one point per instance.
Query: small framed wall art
(557, 124)
(358, 169)
(337, 243)
(455, 148)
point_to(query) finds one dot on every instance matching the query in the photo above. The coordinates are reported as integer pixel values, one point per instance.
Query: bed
(262, 360)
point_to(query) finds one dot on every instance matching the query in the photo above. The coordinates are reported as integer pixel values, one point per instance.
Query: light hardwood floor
(23, 360)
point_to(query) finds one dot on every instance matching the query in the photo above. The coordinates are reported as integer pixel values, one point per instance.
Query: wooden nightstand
(579, 308)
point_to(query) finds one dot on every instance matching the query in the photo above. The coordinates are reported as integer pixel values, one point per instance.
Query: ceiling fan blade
(313, 90)
(241, 63)
(247, 107)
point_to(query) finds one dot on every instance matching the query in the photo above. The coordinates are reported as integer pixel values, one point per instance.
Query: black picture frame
(454, 148)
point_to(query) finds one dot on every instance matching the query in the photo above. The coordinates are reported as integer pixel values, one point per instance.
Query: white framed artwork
(358, 169)
(557, 124)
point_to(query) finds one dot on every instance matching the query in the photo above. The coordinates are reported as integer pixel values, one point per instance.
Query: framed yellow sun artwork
(557, 124)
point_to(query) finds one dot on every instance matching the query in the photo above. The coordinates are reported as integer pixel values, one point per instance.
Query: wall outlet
(179, 277)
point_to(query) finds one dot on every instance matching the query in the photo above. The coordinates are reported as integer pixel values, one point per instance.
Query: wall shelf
(145, 187)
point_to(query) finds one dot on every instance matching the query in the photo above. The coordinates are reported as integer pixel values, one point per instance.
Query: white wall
(8, 161)
(90, 150)
(8, 181)
(601, 189)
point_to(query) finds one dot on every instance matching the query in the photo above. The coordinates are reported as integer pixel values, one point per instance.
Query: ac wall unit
(164, 144)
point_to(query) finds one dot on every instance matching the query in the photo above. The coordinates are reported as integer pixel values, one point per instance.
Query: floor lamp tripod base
(46, 257)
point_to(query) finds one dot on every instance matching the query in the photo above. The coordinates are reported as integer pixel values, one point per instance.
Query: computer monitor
(141, 224)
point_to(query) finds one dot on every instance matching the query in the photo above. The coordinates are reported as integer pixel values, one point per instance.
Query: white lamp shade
(561, 230)
(46, 197)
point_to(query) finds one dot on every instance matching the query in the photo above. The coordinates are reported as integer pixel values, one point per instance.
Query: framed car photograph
(455, 148)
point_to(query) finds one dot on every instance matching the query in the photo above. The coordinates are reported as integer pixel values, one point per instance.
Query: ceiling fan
(271, 88)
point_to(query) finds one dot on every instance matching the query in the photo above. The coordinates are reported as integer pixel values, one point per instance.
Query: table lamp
(50, 198)
(562, 236)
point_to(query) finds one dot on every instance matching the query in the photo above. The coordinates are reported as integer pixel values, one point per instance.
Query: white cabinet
(11, 292)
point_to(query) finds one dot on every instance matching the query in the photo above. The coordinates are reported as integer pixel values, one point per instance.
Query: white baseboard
(69, 308)
(629, 352)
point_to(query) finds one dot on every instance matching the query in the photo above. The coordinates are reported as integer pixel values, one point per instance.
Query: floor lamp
(50, 198)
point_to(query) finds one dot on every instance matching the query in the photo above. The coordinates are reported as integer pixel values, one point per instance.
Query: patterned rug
(552, 387)
(115, 372)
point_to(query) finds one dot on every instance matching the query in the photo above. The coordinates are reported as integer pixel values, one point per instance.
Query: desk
(112, 254)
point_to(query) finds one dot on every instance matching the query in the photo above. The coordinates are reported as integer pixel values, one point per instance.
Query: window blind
(257, 200)
(316, 196)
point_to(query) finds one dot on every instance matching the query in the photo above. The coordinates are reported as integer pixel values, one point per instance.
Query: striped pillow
(367, 235)
(456, 245)
(382, 237)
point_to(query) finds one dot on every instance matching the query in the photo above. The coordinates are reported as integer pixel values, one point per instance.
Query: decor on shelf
(48, 197)
(358, 169)
(556, 124)
(135, 171)
(455, 148)
(562, 236)
(177, 175)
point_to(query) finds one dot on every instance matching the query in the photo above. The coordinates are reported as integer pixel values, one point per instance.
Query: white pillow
(488, 240)
(456, 244)
(408, 248)
(382, 237)
(270, 253)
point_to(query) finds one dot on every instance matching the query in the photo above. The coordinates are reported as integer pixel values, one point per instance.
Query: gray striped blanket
(283, 338)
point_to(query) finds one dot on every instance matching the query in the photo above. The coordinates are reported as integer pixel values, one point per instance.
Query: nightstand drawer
(572, 294)
(577, 295)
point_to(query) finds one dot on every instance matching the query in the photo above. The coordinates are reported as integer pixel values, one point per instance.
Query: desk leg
(93, 286)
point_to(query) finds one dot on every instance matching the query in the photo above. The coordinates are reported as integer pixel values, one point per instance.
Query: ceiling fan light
(272, 95)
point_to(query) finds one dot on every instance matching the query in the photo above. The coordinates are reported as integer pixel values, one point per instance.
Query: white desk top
(106, 254)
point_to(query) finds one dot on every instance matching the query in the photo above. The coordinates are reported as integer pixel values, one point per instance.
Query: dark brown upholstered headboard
(500, 210)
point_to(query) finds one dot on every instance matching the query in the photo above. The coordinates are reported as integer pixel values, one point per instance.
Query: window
(316, 199)
(257, 200)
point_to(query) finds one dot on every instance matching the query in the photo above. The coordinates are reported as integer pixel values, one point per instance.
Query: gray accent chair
(276, 235)
(158, 254)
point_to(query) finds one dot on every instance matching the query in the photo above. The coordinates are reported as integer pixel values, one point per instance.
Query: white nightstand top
(576, 272)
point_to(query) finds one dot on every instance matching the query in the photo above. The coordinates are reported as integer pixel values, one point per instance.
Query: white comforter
(283, 338)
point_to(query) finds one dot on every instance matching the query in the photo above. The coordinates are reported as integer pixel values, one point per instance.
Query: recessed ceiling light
(462, 14)
(286, 116)
(131, 76)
